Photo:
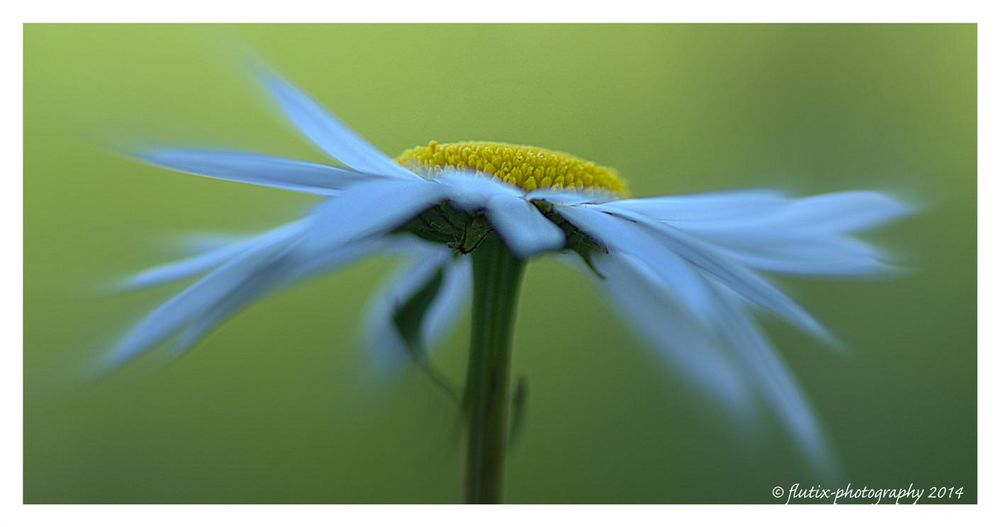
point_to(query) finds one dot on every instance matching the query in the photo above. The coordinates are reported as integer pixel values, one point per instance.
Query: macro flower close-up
(410, 301)
(684, 270)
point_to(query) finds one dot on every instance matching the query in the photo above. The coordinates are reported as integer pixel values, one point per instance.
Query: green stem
(496, 281)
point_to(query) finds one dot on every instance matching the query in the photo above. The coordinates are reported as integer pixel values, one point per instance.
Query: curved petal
(729, 357)
(181, 269)
(728, 272)
(308, 260)
(202, 296)
(380, 334)
(773, 381)
(522, 227)
(455, 294)
(208, 260)
(471, 192)
(218, 250)
(328, 133)
(262, 264)
(795, 236)
(629, 238)
(256, 285)
(370, 208)
(297, 265)
(256, 169)
(651, 307)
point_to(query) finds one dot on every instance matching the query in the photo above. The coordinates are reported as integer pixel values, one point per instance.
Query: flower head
(526, 167)
(685, 271)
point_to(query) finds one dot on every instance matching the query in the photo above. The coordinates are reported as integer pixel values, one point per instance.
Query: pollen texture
(527, 167)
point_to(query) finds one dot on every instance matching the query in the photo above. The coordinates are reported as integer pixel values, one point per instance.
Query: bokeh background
(281, 404)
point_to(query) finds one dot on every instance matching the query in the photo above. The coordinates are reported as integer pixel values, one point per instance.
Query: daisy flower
(687, 272)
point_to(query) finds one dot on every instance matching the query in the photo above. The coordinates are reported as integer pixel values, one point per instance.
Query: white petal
(207, 260)
(802, 236)
(629, 238)
(565, 197)
(296, 265)
(840, 212)
(708, 207)
(524, 229)
(201, 297)
(774, 382)
(726, 271)
(381, 336)
(826, 214)
(181, 269)
(244, 167)
(521, 226)
(821, 255)
(471, 192)
(309, 260)
(456, 291)
(328, 133)
(651, 308)
(729, 359)
(264, 280)
(370, 208)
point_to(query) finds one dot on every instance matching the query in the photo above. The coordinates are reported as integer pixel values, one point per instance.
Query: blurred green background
(281, 404)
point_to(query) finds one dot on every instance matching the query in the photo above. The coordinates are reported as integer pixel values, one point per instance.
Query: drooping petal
(328, 133)
(773, 381)
(654, 310)
(455, 294)
(370, 208)
(297, 265)
(727, 357)
(256, 169)
(381, 335)
(471, 192)
(728, 272)
(629, 238)
(202, 296)
(254, 286)
(309, 260)
(522, 227)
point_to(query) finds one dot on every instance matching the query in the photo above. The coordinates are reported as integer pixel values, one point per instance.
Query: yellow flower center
(527, 167)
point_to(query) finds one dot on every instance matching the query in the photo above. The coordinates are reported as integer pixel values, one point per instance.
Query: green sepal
(476, 229)
(439, 224)
(408, 318)
(518, 409)
(576, 240)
